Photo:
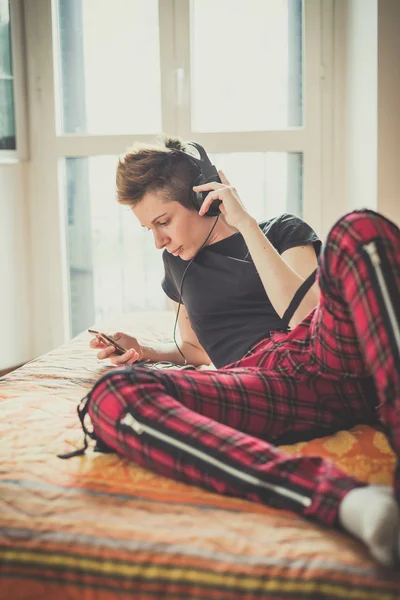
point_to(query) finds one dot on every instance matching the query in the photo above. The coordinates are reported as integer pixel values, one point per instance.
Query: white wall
(361, 111)
(368, 32)
(15, 284)
(388, 172)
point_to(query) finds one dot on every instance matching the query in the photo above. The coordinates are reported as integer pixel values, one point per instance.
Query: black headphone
(207, 173)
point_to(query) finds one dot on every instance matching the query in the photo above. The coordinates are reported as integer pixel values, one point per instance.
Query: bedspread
(100, 527)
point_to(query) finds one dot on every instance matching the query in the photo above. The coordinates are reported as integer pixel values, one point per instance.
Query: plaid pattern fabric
(216, 429)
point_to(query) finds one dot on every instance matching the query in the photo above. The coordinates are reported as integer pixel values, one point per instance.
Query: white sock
(371, 514)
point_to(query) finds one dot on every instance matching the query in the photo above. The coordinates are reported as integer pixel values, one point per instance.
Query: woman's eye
(163, 224)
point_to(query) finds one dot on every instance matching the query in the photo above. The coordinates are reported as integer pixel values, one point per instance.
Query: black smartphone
(109, 340)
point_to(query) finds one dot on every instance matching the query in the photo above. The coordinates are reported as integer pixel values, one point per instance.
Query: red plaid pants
(338, 368)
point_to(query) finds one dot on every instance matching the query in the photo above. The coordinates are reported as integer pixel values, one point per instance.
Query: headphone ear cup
(197, 197)
(213, 211)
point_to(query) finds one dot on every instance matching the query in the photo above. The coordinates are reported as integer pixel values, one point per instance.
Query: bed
(99, 527)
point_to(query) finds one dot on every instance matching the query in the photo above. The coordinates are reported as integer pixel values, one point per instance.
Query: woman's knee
(359, 226)
(117, 391)
(345, 243)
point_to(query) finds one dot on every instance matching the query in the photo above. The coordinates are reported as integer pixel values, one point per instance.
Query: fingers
(213, 185)
(106, 352)
(134, 358)
(96, 342)
(128, 358)
(116, 336)
(208, 201)
(216, 191)
(125, 359)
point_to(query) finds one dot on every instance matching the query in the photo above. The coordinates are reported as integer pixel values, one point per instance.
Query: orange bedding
(100, 527)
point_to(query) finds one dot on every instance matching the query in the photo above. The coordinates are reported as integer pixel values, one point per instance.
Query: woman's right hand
(133, 354)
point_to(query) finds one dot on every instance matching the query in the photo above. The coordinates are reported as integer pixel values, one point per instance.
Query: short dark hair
(156, 167)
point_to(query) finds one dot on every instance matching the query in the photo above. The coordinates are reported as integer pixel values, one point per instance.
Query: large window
(7, 117)
(113, 264)
(241, 78)
(12, 88)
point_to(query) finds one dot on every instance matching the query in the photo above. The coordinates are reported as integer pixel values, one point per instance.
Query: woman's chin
(186, 255)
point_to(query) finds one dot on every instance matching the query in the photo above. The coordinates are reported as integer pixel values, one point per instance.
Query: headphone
(207, 173)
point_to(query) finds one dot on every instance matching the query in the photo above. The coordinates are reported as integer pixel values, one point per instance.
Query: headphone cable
(180, 293)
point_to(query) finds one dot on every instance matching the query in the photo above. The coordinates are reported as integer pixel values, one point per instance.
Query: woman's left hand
(231, 206)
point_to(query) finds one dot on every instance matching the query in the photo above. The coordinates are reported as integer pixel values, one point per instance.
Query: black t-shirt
(223, 294)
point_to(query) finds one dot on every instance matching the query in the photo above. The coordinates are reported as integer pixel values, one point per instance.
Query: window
(12, 121)
(7, 117)
(113, 266)
(253, 60)
(110, 67)
(241, 78)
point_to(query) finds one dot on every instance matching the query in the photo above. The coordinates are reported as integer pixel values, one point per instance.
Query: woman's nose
(160, 241)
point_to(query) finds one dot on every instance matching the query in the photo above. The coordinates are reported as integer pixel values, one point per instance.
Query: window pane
(5, 34)
(7, 118)
(246, 65)
(268, 184)
(114, 266)
(109, 66)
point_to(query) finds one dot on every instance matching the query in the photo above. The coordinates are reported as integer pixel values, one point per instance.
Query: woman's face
(180, 230)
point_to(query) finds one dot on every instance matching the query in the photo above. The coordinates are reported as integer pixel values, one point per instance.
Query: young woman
(278, 377)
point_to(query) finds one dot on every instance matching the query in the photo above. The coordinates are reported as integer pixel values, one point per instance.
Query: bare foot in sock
(371, 514)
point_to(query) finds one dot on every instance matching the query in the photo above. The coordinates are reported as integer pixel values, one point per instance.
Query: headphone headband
(208, 173)
(204, 159)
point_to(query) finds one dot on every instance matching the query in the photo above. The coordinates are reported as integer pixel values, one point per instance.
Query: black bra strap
(297, 298)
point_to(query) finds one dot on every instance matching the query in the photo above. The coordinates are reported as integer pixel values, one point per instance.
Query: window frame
(174, 18)
(19, 86)
(49, 147)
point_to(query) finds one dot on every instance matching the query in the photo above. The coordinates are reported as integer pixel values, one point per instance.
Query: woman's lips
(177, 251)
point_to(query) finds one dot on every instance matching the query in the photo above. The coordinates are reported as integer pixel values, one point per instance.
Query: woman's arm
(281, 275)
(190, 345)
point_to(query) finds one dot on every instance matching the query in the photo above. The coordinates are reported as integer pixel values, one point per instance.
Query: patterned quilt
(97, 527)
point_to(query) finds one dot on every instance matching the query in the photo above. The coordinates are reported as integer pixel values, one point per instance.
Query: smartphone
(109, 340)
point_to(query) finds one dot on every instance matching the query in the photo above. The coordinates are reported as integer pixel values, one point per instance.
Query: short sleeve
(289, 231)
(168, 284)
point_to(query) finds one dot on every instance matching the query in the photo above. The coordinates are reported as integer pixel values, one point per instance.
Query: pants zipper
(129, 421)
(373, 254)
